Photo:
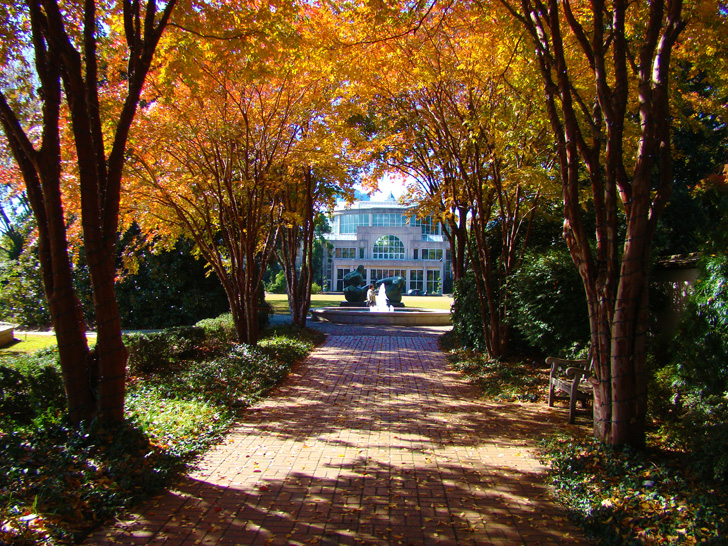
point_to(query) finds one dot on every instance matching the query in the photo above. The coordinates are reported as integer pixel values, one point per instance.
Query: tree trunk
(77, 365)
(240, 322)
(94, 383)
(250, 297)
(298, 234)
(457, 236)
(494, 344)
(629, 334)
(110, 352)
(41, 170)
(252, 329)
(616, 293)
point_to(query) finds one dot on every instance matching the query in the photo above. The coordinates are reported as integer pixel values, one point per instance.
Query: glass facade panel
(328, 267)
(388, 247)
(379, 274)
(433, 282)
(340, 279)
(416, 280)
(349, 222)
(432, 254)
(389, 220)
(429, 227)
(345, 253)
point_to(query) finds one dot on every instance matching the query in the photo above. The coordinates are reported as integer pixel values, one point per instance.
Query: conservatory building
(379, 236)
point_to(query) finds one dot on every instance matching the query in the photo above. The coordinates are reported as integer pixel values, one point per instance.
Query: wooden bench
(570, 378)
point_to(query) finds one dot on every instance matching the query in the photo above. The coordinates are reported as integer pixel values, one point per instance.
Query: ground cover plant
(507, 380)
(57, 482)
(662, 494)
(629, 496)
(504, 380)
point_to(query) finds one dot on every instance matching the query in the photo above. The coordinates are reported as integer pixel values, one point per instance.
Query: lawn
(27, 343)
(280, 301)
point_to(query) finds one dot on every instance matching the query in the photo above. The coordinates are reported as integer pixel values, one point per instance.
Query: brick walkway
(371, 441)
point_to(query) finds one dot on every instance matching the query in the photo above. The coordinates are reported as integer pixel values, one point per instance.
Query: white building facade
(379, 236)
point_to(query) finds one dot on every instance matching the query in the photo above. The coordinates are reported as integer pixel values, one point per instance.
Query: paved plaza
(372, 440)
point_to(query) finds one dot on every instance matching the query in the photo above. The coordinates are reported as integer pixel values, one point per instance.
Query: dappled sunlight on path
(371, 441)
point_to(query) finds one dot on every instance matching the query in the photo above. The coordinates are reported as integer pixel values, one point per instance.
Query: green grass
(29, 343)
(280, 301)
(428, 302)
(26, 344)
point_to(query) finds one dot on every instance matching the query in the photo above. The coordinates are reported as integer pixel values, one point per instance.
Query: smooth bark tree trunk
(110, 353)
(298, 236)
(94, 381)
(615, 287)
(456, 232)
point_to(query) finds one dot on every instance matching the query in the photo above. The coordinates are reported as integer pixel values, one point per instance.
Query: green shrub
(154, 351)
(234, 379)
(702, 341)
(547, 313)
(315, 288)
(467, 321)
(31, 389)
(290, 333)
(278, 284)
(221, 329)
(161, 289)
(698, 417)
(147, 352)
(239, 378)
(22, 298)
(548, 304)
(288, 350)
(703, 430)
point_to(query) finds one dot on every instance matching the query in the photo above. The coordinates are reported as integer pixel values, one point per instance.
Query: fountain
(397, 316)
(388, 309)
(381, 302)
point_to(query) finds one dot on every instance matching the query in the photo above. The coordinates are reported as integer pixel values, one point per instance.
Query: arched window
(388, 247)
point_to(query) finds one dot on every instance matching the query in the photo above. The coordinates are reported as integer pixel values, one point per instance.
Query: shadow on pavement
(372, 440)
